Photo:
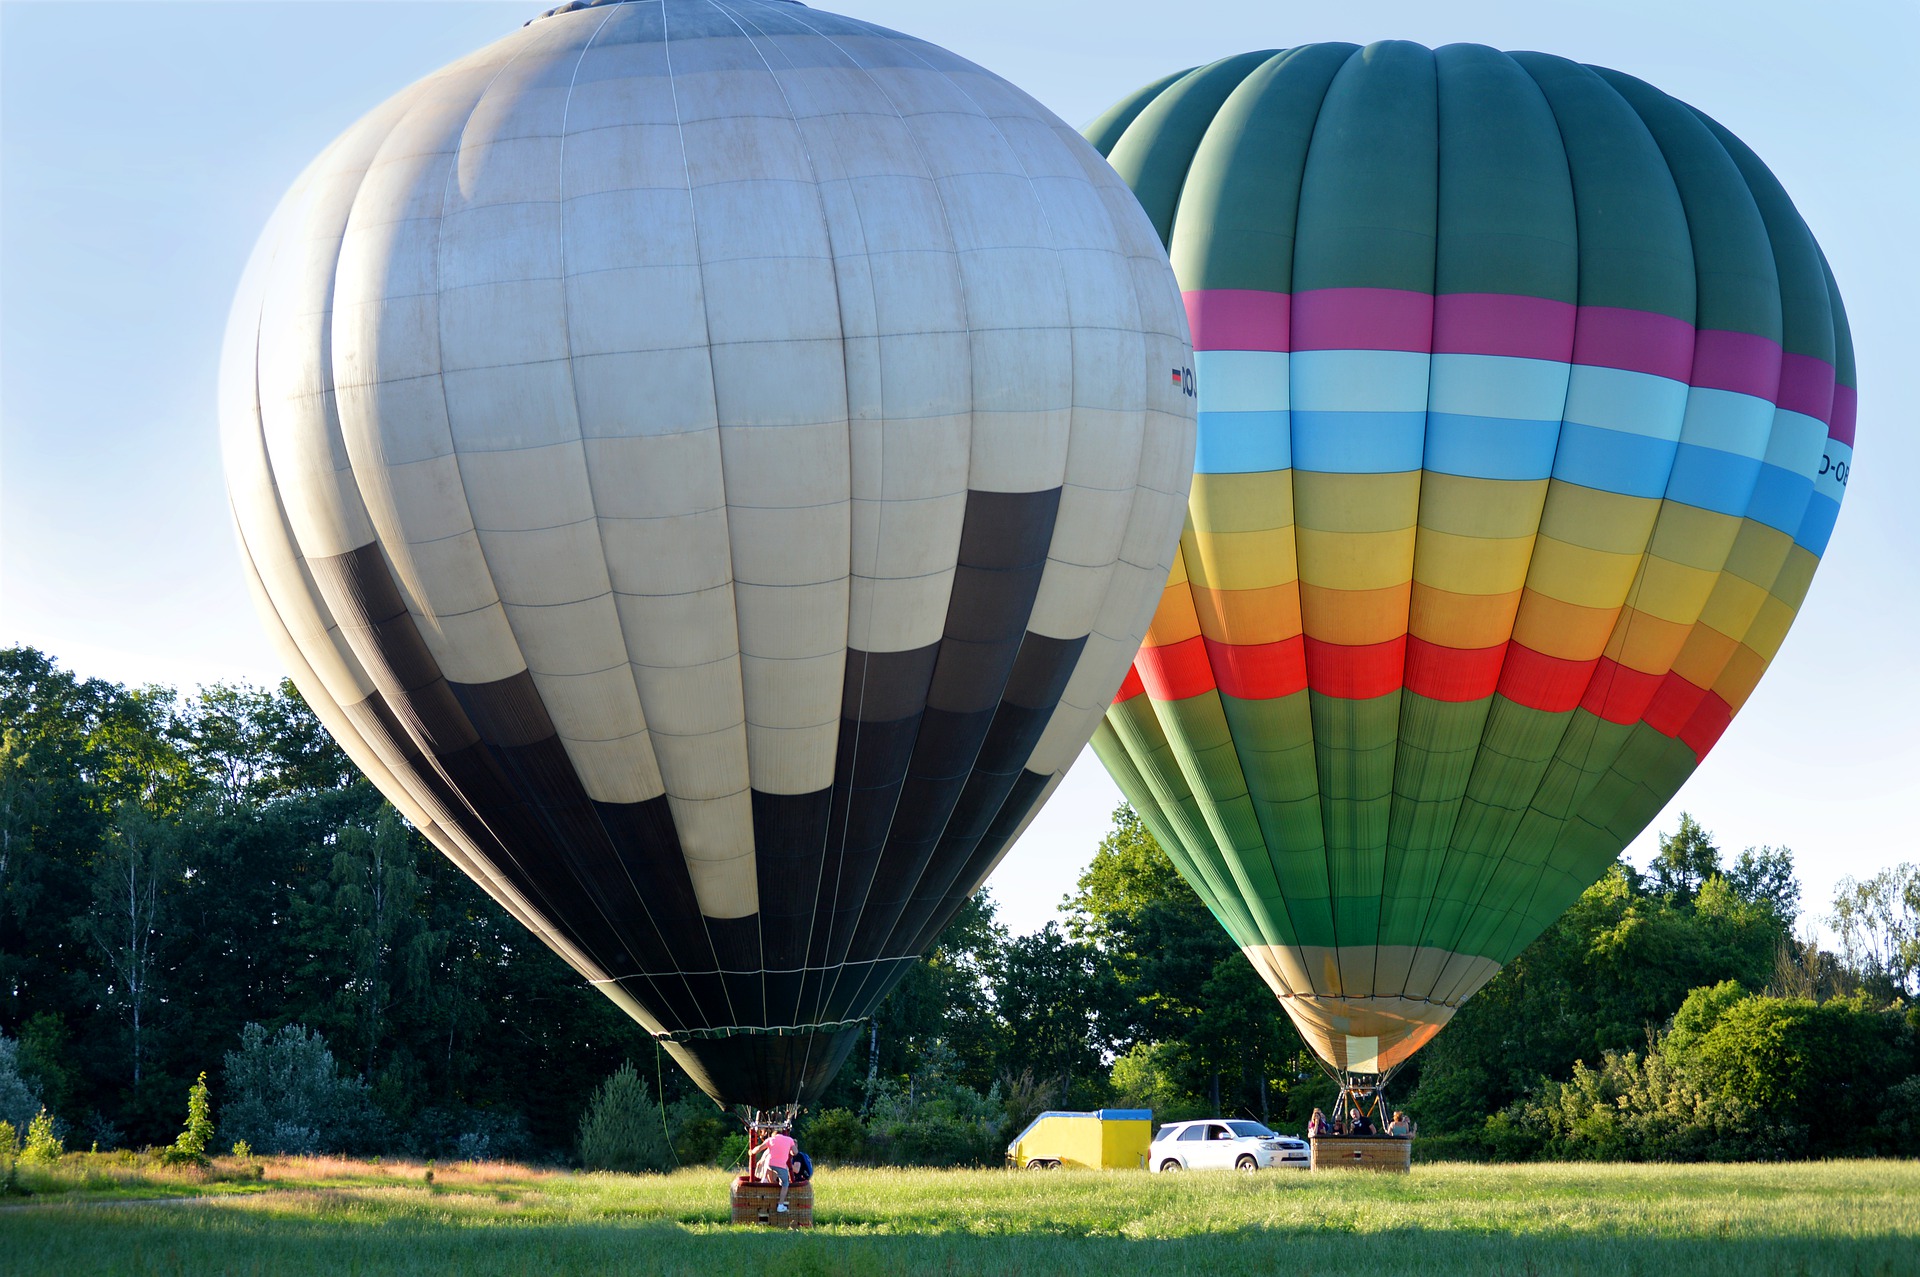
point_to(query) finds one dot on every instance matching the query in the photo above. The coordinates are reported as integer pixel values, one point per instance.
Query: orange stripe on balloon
(1355, 618)
(1461, 620)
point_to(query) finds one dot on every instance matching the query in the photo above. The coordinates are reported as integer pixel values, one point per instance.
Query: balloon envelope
(1526, 408)
(710, 464)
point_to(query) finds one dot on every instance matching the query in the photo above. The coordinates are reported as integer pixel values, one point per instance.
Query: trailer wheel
(1036, 1163)
(1170, 1165)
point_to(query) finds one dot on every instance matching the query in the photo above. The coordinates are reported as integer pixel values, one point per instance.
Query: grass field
(318, 1215)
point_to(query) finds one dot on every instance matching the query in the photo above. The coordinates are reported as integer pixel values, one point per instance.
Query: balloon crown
(573, 5)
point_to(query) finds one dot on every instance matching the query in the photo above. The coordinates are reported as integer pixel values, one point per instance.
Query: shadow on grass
(226, 1238)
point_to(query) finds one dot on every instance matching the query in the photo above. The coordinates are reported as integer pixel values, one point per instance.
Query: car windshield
(1251, 1130)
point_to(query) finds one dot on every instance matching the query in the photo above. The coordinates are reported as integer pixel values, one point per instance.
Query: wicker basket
(755, 1203)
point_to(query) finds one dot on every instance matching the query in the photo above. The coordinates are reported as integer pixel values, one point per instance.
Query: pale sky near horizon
(143, 145)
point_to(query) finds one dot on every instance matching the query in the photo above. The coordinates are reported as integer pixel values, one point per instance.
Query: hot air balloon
(710, 463)
(1526, 409)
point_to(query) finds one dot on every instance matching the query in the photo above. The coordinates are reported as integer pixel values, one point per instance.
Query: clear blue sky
(143, 145)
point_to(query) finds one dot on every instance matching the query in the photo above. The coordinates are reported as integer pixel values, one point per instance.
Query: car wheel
(1247, 1162)
(1170, 1165)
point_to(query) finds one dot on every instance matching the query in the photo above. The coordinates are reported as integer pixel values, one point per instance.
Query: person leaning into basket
(779, 1148)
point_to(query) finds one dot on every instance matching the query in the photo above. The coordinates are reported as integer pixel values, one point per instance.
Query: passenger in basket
(1361, 1126)
(1398, 1128)
(779, 1150)
(1317, 1125)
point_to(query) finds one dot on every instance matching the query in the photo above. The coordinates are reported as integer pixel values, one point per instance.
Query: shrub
(698, 1130)
(837, 1136)
(732, 1151)
(190, 1147)
(622, 1128)
(19, 1098)
(43, 1144)
(285, 1095)
(242, 1150)
(1900, 1118)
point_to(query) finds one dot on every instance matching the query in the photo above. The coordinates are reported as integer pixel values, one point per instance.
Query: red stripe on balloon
(1543, 682)
(1176, 671)
(1846, 406)
(1806, 386)
(1453, 673)
(1619, 693)
(1743, 363)
(1709, 722)
(1363, 319)
(1259, 671)
(1356, 672)
(1503, 324)
(1634, 340)
(1673, 705)
(1130, 687)
(1238, 319)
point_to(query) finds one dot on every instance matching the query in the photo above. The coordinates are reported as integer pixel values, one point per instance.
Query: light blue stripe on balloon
(1713, 480)
(1637, 403)
(1358, 442)
(1490, 447)
(1359, 380)
(1498, 386)
(1796, 441)
(1780, 499)
(1727, 421)
(1816, 529)
(1631, 464)
(1242, 443)
(1241, 380)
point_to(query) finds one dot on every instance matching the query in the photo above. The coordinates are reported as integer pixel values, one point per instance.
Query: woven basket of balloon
(755, 1202)
(1361, 1153)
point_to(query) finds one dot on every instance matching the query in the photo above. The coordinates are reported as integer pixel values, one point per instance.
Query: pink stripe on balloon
(1237, 319)
(1806, 386)
(1363, 319)
(1846, 406)
(1744, 363)
(1634, 340)
(1503, 324)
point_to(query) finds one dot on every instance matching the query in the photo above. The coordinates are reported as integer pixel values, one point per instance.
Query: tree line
(204, 883)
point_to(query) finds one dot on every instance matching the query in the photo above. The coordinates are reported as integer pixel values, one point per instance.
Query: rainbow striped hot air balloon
(1526, 407)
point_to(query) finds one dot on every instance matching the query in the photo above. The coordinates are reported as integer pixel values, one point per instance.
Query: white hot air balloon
(711, 462)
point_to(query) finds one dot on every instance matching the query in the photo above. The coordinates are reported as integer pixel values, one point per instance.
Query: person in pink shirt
(779, 1148)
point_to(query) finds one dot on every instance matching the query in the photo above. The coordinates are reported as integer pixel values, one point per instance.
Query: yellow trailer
(1106, 1139)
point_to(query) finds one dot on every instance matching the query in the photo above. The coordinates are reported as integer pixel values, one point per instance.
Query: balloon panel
(710, 464)
(1526, 407)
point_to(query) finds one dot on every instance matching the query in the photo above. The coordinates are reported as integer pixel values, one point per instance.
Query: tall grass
(337, 1215)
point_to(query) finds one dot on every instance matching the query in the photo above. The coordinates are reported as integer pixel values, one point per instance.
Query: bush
(622, 1128)
(1900, 1118)
(462, 1134)
(837, 1136)
(732, 1151)
(19, 1098)
(43, 1144)
(285, 1095)
(190, 1148)
(698, 1130)
(935, 1120)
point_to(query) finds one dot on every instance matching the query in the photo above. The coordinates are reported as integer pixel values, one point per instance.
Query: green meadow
(335, 1215)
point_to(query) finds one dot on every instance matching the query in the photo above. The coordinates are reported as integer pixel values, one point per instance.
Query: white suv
(1220, 1144)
